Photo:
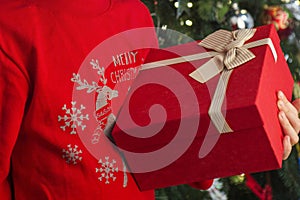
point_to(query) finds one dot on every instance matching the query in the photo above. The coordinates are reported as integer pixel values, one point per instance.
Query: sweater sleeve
(14, 89)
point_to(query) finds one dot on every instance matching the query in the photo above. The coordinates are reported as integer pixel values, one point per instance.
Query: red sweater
(42, 47)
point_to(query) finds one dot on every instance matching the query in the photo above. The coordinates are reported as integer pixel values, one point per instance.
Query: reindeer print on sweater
(122, 71)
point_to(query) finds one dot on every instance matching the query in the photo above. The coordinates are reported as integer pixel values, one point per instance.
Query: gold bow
(229, 52)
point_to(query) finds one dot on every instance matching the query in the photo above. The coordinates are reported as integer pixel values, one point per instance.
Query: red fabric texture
(42, 43)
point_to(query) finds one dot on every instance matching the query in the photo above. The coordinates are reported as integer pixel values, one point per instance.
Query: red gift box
(164, 130)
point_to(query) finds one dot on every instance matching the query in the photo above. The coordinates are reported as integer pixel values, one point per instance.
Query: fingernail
(280, 104)
(282, 115)
(280, 95)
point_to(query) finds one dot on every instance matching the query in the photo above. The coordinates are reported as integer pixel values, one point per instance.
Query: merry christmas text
(125, 58)
(122, 75)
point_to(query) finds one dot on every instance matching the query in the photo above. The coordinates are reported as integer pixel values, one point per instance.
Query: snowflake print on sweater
(107, 170)
(72, 154)
(73, 118)
(104, 93)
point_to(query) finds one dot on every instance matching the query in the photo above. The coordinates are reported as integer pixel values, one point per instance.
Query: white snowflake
(72, 155)
(73, 117)
(107, 170)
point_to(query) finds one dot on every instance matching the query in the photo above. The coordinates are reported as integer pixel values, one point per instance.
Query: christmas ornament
(276, 15)
(294, 8)
(241, 18)
(280, 18)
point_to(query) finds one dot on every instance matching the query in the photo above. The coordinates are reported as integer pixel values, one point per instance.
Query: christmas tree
(197, 19)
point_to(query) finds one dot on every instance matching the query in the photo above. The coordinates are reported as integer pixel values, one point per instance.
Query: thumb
(296, 103)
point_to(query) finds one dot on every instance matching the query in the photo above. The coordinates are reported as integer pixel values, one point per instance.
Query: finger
(289, 107)
(287, 128)
(291, 116)
(287, 147)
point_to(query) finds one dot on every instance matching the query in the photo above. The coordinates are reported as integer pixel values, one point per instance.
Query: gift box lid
(250, 100)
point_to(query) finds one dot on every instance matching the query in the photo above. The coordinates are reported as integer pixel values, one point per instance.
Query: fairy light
(176, 4)
(189, 4)
(189, 22)
(243, 11)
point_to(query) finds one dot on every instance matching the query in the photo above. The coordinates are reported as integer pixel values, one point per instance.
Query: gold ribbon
(229, 52)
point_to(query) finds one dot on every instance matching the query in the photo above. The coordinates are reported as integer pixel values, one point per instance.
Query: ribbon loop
(217, 41)
(230, 43)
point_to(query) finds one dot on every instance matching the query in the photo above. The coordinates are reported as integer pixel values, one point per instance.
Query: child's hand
(290, 122)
